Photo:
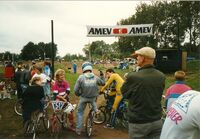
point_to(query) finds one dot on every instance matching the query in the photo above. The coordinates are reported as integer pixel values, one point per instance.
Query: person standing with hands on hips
(144, 90)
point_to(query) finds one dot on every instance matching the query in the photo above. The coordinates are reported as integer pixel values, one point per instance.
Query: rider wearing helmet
(87, 88)
(115, 82)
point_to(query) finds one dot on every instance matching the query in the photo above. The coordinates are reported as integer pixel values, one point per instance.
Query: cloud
(22, 22)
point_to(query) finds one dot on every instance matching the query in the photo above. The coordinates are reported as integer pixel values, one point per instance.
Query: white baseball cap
(145, 51)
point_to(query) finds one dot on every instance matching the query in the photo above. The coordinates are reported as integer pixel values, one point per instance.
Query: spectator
(44, 79)
(26, 77)
(87, 88)
(61, 92)
(32, 68)
(47, 72)
(182, 121)
(19, 79)
(175, 90)
(9, 70)
(74, 67)
(114, 82)
(144, 90)
(32, 98)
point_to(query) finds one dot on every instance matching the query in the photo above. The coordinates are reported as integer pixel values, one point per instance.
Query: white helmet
(70, 108)
(86, 66)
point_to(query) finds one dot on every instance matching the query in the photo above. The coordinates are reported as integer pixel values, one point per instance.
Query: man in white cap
(144, 90)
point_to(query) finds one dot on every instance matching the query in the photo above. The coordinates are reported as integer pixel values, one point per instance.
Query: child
(32, 98)
(61, 92)
(178, 88)
(87, 88)
(44, 79)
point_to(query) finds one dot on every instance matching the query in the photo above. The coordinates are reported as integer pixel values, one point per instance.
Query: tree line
(175, 25)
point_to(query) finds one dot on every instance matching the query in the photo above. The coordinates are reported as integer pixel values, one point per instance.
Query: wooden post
(52, 52)
(184, 60)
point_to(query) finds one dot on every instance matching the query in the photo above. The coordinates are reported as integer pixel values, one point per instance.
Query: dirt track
(11, 126)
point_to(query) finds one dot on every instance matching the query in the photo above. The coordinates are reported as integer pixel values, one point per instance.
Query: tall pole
(52, 49)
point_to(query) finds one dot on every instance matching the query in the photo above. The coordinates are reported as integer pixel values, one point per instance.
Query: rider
(87, 88)
(115, 81)
(61, 92)
(32, 98)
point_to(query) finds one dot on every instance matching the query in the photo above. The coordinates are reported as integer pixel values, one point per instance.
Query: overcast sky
(21, 22)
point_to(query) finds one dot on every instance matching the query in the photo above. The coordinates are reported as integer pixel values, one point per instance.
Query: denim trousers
(81, 107)
(47, 90)
(150, 130)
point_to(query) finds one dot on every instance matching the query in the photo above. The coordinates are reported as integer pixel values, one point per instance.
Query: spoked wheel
(29, 129)
(64, 121)
(99, 117)
(43, 124)
(89, 124)
(55, 127)
(46, 122)
(124, 119)
(18, 107)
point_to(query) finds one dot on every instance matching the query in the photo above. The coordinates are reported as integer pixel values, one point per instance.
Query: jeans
(24, 87)
(150, 130)
(46, 88)
(81, 107)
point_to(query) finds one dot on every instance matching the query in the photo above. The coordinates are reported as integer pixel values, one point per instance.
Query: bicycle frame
(120, 113)
(89, 121)
(57, 119)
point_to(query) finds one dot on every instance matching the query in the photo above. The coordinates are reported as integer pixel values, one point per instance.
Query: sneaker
(109, 126)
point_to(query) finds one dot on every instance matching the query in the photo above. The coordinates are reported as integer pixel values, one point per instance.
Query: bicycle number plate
(57, 105)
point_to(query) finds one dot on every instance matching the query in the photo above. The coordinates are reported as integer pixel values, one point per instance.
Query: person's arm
(126, 88)
(100, 81)
(110, 80)
(67, 88)
(62, 98)
(77, 87)
(55, 90)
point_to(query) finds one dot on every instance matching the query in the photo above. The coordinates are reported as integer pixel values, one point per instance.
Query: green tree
(30, 51)
(41, 50)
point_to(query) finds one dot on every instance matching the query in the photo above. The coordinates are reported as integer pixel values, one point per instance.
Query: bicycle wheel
(89, 124)
(18, 107)
(45, 120)
(29, 129)
(64, 120)
(43, 123)
(99, 117)
(55, 127)
(107, 113)
(125, 120)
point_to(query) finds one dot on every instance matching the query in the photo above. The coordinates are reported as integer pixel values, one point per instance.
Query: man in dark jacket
(19, 78)
(144, 90)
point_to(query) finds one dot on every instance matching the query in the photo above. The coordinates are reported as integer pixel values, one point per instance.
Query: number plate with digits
(57, 105)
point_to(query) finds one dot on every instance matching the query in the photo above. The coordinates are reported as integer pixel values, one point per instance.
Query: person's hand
(65, 95)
